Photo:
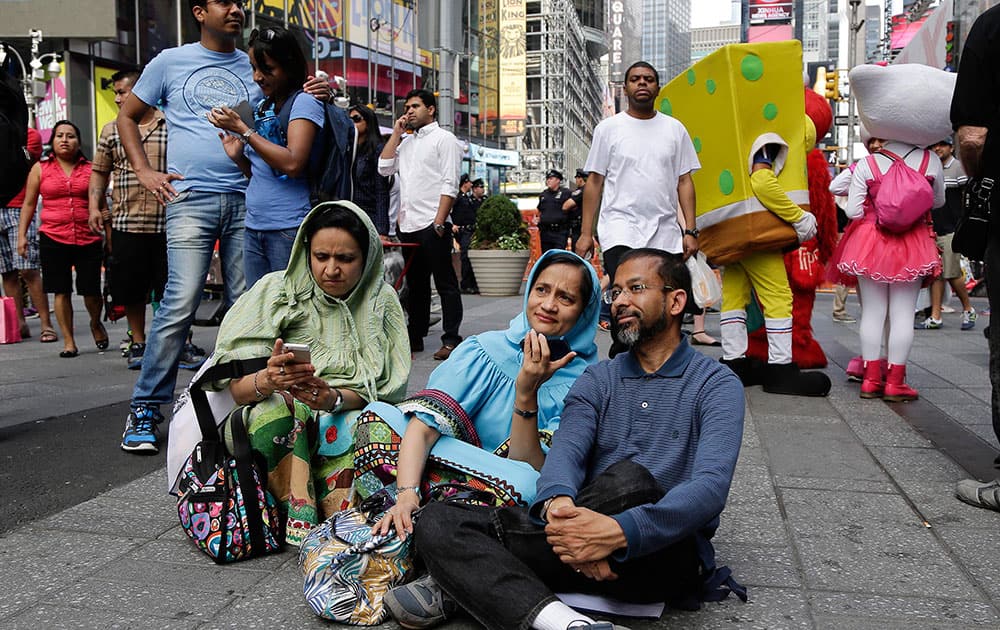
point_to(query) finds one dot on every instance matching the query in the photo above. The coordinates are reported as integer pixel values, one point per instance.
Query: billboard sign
(513, 68)
(624, 33)
(762, 11)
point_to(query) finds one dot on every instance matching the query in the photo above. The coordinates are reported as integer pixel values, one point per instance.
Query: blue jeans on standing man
(265, 251)
(195, 220)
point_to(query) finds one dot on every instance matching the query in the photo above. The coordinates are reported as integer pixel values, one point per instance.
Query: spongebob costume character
(743, 107)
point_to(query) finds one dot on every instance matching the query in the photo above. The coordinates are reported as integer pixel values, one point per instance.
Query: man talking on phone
(202, 189)
(428, 163)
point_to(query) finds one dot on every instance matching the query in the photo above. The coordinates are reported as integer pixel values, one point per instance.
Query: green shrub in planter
(499, 225)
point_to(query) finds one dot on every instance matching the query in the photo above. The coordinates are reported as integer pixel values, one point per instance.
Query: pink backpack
(904, 195)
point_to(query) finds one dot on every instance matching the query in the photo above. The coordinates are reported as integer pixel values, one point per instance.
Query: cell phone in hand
(300, 351)
(245, 112)
(558, 348)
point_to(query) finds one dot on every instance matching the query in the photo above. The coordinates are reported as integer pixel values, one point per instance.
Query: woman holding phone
(336, 340)
(495, 399)
(276, 159)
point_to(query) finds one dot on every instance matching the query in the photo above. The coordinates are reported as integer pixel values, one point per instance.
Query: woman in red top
(65, 240)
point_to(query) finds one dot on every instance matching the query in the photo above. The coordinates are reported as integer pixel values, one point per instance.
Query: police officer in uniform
(553, 226)
(463, 217)
(574, 207)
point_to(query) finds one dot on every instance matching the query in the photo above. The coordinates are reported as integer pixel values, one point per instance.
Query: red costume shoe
(873, 384)
(896, 389)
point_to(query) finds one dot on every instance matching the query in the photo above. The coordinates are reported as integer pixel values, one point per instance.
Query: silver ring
(577, 570)
(315, 393)
(281, 370)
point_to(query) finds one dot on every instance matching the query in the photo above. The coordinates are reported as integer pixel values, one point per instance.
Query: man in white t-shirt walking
(640, 166)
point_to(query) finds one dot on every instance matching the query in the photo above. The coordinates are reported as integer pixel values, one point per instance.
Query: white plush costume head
(908, 103)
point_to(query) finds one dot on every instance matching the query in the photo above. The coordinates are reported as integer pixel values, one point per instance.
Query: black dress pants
(433, 256)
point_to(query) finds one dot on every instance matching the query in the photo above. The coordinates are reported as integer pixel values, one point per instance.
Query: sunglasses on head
(264, 35)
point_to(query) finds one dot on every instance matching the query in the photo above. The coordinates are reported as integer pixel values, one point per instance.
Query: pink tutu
(869, 251)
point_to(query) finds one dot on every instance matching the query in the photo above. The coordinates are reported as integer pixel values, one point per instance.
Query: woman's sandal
(102, 344)
(48, 336)
(69, 354)
(695, 342)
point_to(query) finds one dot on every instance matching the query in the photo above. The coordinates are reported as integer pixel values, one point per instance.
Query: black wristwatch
(695, 232)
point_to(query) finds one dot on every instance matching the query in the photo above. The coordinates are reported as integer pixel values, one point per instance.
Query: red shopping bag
(10, 330)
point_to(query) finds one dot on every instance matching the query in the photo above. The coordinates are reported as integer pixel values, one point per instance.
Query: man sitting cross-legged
(629, 496)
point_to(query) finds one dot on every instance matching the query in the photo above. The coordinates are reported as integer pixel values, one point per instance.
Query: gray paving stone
(936, 501)
(926, 464)
(157, 600)
(945, 397)
(768, 608)
(67, 618)
(277, 602)
(983, 394)
(137, 517)
(205, 576)
(914, 610)
(978, 413)
(759, 565)
(834, 507)
(975, 549)
(886, 429)
(825, 450)
(147, 488)
(182, 550)
(764, 404)
(846, 485)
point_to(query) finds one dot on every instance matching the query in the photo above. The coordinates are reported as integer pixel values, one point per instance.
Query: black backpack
(14, 159)
(330, 167)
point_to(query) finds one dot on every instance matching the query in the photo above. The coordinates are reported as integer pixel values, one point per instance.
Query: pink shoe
(855, 369)
(873, 385)
(896, 389)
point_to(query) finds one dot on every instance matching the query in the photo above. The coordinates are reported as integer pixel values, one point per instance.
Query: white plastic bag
(705, 285)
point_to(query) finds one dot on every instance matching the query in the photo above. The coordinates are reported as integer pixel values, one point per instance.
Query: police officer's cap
(581, 173)
(554, 173)
(463, 179)
(478, 184)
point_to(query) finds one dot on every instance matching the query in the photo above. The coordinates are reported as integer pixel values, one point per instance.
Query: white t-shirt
(641, 161)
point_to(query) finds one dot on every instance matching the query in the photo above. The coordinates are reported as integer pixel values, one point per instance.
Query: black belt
(553, 226)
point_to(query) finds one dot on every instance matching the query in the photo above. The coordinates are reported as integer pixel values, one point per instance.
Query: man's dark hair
(131, 75)
(191, 5)
(426, 97)
(670, 268)
(280, 45)
(337, 216)
(586, 282)
(643, 64)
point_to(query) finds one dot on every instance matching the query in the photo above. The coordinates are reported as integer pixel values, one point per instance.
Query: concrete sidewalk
(841, 515)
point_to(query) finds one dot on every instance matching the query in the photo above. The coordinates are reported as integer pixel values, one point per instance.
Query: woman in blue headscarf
(488, 409)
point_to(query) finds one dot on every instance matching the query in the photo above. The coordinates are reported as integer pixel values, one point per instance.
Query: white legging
(898, 300)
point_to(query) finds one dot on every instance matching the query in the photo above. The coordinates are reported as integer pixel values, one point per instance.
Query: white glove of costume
(805, 227)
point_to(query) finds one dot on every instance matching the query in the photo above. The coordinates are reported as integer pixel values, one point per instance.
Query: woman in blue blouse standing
(274, 158)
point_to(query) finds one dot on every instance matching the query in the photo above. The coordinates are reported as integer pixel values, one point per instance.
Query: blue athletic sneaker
(192, 357)
(140, 430)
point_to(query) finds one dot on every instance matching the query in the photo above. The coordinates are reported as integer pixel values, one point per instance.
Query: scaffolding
(565, 97)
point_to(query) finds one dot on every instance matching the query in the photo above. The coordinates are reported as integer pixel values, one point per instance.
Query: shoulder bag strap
(202, 409)
(285, 113)
(243, 454)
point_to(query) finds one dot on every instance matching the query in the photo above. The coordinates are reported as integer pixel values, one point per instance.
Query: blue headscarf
(480, 374)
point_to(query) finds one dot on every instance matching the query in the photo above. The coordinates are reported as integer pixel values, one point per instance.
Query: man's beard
(636, 333)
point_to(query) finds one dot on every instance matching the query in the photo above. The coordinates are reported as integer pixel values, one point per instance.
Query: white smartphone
(300, 351)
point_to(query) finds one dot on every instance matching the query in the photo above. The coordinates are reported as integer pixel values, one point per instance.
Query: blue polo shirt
(684, 423)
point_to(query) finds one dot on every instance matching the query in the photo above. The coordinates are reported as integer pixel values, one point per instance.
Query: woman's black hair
(372, 137)
(334, 216)
(586, 284)
(281, 46)
(79, 137)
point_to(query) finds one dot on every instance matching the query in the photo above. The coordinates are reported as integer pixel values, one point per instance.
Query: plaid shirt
(134, 209)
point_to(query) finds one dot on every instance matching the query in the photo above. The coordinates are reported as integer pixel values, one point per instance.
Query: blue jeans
(195, 220)
(265, 251)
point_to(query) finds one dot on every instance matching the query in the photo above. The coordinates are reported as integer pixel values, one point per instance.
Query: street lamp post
(852, 60)
(34, 83)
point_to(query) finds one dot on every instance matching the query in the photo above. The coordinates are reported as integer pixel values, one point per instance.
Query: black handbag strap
(202, 409)
(243, 454)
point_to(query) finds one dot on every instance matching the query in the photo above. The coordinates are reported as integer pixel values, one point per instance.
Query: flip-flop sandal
(48, 336)
(69, 354)
(102, 344)
(695, 342)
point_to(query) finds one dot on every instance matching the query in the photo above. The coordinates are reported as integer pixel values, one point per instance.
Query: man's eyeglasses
(356, 118)
(265, 35)
(612, 294)
(225, 4)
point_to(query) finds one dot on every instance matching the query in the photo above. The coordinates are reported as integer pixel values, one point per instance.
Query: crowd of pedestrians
(622, 500)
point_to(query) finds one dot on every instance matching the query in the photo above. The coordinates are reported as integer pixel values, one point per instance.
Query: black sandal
(695, 342)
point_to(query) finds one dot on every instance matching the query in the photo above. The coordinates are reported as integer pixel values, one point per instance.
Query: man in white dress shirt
(428, 163)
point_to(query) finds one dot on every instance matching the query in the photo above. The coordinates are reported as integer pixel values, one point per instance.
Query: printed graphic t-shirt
(186, 83)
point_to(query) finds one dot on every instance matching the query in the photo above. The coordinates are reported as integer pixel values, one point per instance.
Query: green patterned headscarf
(358, 343)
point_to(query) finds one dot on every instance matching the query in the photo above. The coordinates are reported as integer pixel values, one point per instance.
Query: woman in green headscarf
(332, 297)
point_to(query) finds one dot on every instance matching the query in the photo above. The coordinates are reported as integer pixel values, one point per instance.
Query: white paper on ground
(597, 603)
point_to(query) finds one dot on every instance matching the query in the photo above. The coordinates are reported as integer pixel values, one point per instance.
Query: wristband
(525, 413)
(260, 394)
(416, 490)
(338, 403)
(439, 227)
(695, 232)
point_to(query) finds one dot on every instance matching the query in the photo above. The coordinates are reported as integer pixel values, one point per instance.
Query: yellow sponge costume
(734, 103)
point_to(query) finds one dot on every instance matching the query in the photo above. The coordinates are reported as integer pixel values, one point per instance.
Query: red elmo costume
(805, 264)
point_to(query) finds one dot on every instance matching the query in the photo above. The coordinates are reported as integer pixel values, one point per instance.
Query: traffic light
(832, 85)
(951, 47)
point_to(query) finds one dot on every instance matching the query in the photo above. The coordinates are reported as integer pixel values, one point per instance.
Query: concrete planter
(499, 272)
